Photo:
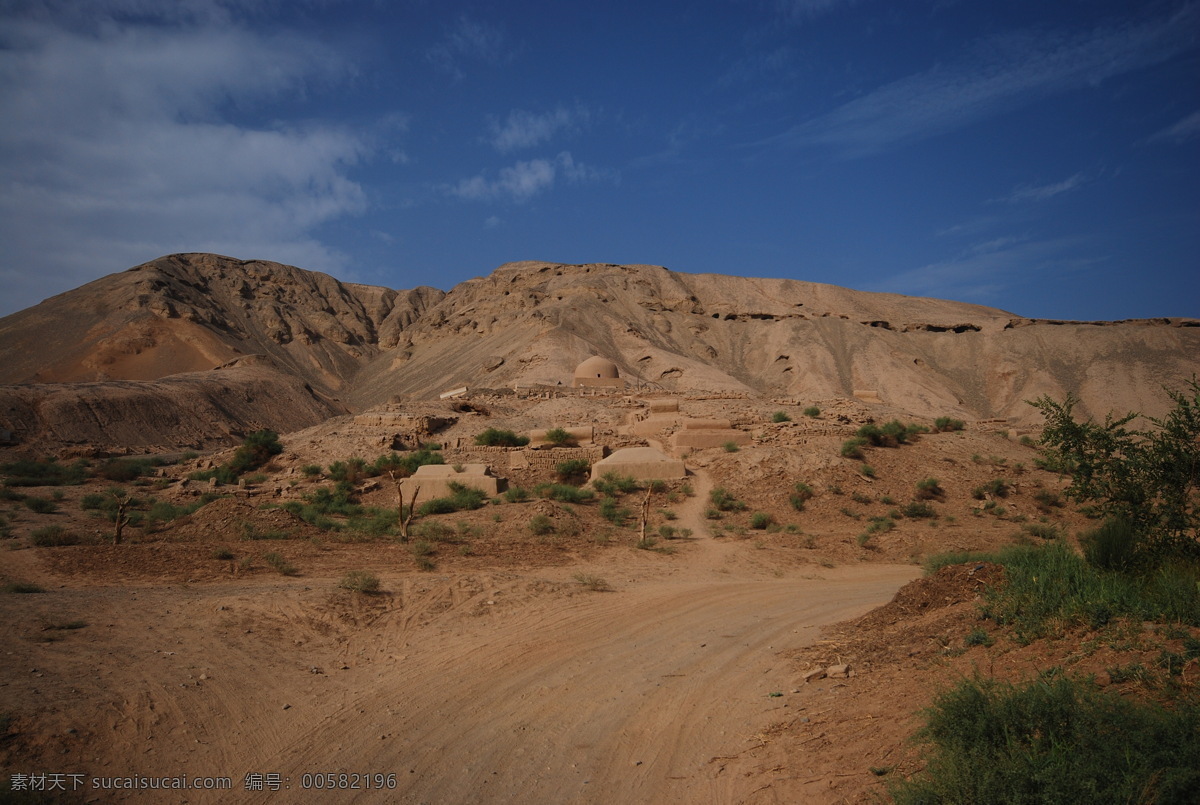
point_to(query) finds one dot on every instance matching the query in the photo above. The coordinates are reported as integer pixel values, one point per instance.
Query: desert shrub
(461, 498)
(852, 448)
(890, 434)
(434, 531)
(668, 514)
(1112, 546)
(495, 437)
(40, 505)
(801, 494)
(53, 536)
(1053, 740)
(1041, 530)
(945, 424)
(222, 554)
(730, 447)
(880, 525)
(613, 512)
(374, 522)
(812, 411)
(724, 501)
(612, 484)
(405, 465)
(516, 494)
(575, 469)
(27, 472)
(541, 525)
(929, 489)
(352, 470)
(860, 498)
(559, 437)
(1046, 500)
(978, 637)
(281, 565)
(592, 582)
(780, 416)
(564, 493)
(256, 450)
(311, 470)
(867, 470)
(997, 487)
(360, 581)
(760, 520)
(919, 509)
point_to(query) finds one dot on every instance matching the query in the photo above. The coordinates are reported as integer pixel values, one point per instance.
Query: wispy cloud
(114, 148)
(523, 129)
(1184, 130)
(1042, 192)
(981, 271)
(524, 180)
(1001, 74)
(469, 40)
(798, 11)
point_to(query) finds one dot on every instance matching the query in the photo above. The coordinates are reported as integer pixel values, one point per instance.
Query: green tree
(1149, 479)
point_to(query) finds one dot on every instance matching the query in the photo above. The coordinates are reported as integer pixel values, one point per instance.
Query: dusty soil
(569, 667)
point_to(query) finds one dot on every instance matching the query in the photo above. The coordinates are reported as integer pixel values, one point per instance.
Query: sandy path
(470, 688)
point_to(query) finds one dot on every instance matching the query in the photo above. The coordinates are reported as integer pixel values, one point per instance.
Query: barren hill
(346, 346)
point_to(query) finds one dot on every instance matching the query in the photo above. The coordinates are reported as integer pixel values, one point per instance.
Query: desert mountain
(343, 346)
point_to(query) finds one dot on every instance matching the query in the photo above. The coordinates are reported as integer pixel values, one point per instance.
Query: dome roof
(596, 366)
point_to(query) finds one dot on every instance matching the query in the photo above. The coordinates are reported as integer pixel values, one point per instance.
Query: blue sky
(1039, 157)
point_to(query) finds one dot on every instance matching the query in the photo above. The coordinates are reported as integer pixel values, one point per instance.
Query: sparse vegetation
(1053, 740)
(945, 424)
(27, 472)
(801, 494)
(281, 565)
(53, 536)
(867, 471)
(574, 470)
(541, 525)
(592, 582)
(760, 520)
(780, 416)
(496, 437)
(930, 489)
(812, 411)
(40, 505)
(853, 448)
(721, 498)
(730, 447)
(560, 437)
(360, 581)
(612, 485)
(564, 493)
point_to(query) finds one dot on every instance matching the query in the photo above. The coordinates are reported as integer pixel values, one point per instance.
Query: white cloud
(469, 39)
(117, 146)
(523, 129)
(524, 180)
(1003, 74)
(981, 271)
(1184, 130)
(1043, 192)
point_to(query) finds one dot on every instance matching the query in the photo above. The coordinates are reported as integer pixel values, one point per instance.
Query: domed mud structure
(597, 372)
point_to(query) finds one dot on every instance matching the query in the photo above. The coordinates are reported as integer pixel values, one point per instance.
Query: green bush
(129, 469)
(760, 520)
(945, 424)
(929, 489)
(352, 470)
(730, 447)
(780, 416)
(867, 470)
(495, 437)
(311, 470)
(40, 505)
(997, 487)
(613, 512)
(724, 501)
(461, 498)
(26, 472)
(541, 525)
(54, 536)
(360, 581)
(281, 565)
(919, 509)
(256, 450)
(516, 494)
(812, 411)
(1054, 740)
(802, 494)
(1112, 546)
(611, 484)
(575, 469)
(852, 448)
(559, 437)
(564, 493)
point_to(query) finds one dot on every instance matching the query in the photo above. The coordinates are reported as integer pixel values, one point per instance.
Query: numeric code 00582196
(328, 781)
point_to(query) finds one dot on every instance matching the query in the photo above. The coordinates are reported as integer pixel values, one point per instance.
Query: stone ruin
(698, 434)
(641, 464)
(434, 480)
